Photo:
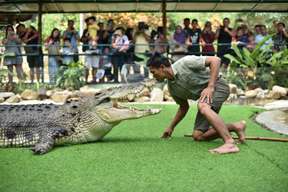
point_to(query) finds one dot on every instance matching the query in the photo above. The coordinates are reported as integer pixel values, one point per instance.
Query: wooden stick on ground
(259, 138)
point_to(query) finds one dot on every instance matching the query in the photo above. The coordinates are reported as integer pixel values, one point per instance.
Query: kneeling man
(190, 78)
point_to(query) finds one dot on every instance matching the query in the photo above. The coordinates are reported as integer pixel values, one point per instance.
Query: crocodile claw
(41, 148)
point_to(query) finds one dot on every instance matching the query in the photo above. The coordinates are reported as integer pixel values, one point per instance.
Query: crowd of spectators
(110, 50)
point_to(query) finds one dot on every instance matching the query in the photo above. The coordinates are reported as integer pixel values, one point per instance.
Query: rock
(156, 95)
(49, 93)
(142, 99)
(240, 92)
(75, 94)
(260, 93)
(251, 93)
(29, 94)
(61, 97)
(33, 102)
(274, 120)
(2, 99)
(42, 93)
(277, 92)
(233, 88)
(13, 99)
(6, 95)
(242, 100)
(145, 92)
(87, 91)
(168, 98)
(280, 104)
(232, 97)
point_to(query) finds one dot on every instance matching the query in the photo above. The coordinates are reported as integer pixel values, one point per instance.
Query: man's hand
(206, 95)
(167, 133)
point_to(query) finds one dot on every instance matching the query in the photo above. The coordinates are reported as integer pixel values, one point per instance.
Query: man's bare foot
(226, 148)
(240, 130)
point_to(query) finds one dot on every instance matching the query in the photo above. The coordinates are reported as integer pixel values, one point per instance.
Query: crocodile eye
(74, 106)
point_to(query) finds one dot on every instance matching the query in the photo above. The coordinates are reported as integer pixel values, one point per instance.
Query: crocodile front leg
(47, 140)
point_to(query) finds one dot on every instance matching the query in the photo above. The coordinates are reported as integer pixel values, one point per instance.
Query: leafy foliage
(3, 77)
(279, 62)
(70, 76)
(252, 68)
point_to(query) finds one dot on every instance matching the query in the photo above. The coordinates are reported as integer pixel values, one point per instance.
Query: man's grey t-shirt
(191, 76)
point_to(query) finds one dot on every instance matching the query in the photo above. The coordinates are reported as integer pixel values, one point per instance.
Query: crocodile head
(105, 103)
(116, 114)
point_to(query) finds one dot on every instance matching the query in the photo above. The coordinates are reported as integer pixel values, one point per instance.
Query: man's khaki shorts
(220, 95)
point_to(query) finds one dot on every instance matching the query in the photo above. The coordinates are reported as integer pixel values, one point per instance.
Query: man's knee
(203, 108)
(197, 136)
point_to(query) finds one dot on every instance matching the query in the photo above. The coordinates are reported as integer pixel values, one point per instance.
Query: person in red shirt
(207, 39)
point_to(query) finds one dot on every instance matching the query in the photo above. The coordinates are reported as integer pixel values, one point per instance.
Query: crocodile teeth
(130, 97)
(114, 103)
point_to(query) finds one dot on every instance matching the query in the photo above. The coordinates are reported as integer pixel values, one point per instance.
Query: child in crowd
(92, 59)
(67, 51)
(92, 28)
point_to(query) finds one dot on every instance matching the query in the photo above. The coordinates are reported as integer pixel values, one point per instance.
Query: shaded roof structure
(100, 6)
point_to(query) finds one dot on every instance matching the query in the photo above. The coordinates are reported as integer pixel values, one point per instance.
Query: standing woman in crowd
(52, 44)
(12, 53)
(207, 39)
(178, 43)
(120, 45)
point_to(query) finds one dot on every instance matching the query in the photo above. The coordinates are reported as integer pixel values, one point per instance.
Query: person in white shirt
(120, 45)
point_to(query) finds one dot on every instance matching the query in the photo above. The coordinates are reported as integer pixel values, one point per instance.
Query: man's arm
(217, 33)
(285, 33)
(182, 110)
(229, 32)
(214, 65)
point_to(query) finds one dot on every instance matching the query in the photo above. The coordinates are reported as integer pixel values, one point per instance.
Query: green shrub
(258, 68)
(70, 76)
(3, 77)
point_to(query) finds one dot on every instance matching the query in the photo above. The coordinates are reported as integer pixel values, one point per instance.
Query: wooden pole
(259, 138)
(164, 18)
(40, 6)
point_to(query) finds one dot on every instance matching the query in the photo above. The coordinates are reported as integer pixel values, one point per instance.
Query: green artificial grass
(132, 157)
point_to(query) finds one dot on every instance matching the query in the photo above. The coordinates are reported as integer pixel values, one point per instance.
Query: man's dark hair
(141, 25)
(121, 29)
(157, 60)
(186, 19)
(91, 17)
(20, 25)
(160, 30)
(281, 23)
(194, 21)
(226, 18)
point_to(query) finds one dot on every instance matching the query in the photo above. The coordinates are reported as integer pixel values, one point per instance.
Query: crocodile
(82, 120)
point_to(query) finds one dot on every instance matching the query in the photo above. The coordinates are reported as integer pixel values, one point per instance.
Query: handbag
(53, 49)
